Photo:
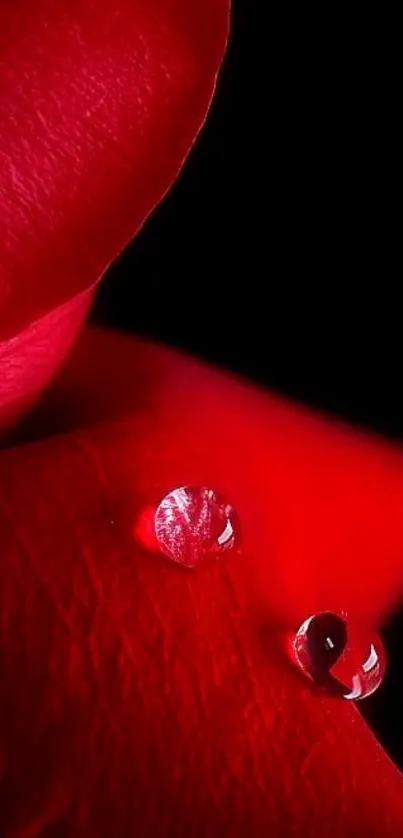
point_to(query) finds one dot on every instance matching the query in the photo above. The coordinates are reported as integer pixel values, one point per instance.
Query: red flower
(138, 699)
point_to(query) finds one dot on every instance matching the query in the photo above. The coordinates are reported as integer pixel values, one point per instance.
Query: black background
(275, 252)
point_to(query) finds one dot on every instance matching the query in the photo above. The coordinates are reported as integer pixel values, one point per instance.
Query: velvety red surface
(29, 359)
(142, 699)
(99, 103)
(138, 698)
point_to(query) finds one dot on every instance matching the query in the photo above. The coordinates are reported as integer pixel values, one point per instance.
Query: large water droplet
(345, 658)
(194, 523)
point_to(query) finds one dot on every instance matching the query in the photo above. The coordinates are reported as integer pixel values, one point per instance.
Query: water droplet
(190, 524)
(345, 658)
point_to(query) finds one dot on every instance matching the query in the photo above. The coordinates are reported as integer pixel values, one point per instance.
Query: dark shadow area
(270, 254)
(383, 710)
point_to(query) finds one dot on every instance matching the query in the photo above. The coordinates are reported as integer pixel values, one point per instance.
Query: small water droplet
(190, 524)
(345, 658)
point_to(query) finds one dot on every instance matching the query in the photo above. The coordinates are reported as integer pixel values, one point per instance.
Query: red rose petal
(138, 699)
(29, 360)
(99, 104)
(326, 499)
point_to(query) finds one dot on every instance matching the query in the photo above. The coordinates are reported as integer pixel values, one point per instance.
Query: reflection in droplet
(193, 523)
(345, 658)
